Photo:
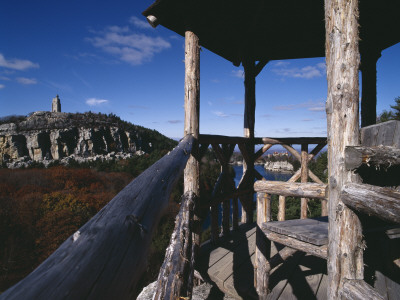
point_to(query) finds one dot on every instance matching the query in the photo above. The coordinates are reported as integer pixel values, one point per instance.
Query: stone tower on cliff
(56, 104)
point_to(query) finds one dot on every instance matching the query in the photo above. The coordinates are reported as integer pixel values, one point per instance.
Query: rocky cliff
(49, 136)
(278, 166)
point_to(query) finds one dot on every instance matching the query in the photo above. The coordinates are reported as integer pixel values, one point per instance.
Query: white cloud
(315, 106)
(306, 72)
(238, 73)
(220, 114)
(281, 63)
(2, 86)
(129, 47)
(96, 102)
(175, 121)
(16, 64)
(26, 81)
(140, 23)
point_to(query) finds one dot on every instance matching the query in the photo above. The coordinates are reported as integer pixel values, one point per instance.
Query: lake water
(238, 175)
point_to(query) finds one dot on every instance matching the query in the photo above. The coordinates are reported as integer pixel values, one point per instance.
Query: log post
(263, 246)
(249, 120)
(345, 259)
(235, 214)
(304, 178)
(174, 277)
(282, 199)
(191, 126)
(368, 95)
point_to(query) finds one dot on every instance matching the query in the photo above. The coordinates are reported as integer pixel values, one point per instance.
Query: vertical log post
(282, 208)
(263, 246)
(368, 95)
(192, 113)
(235, 214)
(215, 207)
(304, 178)
(345, 250)
(249, 120)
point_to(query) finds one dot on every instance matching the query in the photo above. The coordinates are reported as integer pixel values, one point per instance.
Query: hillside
(54, 136)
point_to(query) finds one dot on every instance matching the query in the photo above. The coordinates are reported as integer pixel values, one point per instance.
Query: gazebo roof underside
(270, 30)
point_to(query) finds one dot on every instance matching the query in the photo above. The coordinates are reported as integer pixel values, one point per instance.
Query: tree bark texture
(304, 179)
(378, 157)
(192, 115)
(105, 258)
(380, 202)
(359, 290)
(342, 59)
(173, 280)
(263, 246)
(192, 106)
(294, 189)
(320, 251)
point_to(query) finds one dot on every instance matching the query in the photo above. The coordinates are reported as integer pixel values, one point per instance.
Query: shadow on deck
(229, 264)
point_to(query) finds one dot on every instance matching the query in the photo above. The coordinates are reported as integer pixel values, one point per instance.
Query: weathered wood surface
(319, 251)
(342, 106)
(263, 246)
(222, 139)
(294, 140)
(380, 202)
(304, 179)
(378, 157)
(191, 179)
(174, 279)
(294, 189)
(359, 290)
(105, 258)
(314, 231)
(383, 134)
(282, 199)
(230, 267)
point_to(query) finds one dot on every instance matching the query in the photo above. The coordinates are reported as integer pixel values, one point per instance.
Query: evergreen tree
(388, 115)
(396, 108)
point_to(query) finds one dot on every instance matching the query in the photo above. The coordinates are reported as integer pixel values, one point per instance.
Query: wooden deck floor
(230, 265)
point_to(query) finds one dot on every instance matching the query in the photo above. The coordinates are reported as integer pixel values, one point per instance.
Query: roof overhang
(270, 30)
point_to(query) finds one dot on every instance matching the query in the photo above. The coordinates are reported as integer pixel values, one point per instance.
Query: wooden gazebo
(105, 258)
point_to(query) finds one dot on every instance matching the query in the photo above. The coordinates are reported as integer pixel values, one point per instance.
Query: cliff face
(47, 136)
(278, 166)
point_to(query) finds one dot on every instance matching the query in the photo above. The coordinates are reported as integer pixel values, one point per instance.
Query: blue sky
(104, 57)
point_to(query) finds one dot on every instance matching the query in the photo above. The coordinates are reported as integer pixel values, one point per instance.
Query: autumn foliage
(40, 208)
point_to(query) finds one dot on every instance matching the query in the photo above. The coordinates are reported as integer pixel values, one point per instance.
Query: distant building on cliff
(56, 104)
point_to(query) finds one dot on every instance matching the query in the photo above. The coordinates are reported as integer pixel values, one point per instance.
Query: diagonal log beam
(260, 152)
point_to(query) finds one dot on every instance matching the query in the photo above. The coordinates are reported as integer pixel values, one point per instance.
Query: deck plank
(231, 267)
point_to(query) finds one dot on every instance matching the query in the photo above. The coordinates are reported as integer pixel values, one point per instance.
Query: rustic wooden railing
(380, 154)
(225, 190)
(107, 256)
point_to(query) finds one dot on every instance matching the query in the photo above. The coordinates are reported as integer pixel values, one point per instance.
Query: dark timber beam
(368, 94)
(249, 120)
(259, 67)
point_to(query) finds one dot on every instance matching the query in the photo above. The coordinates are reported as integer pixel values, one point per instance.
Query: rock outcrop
(278, 166)
(48, 136)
